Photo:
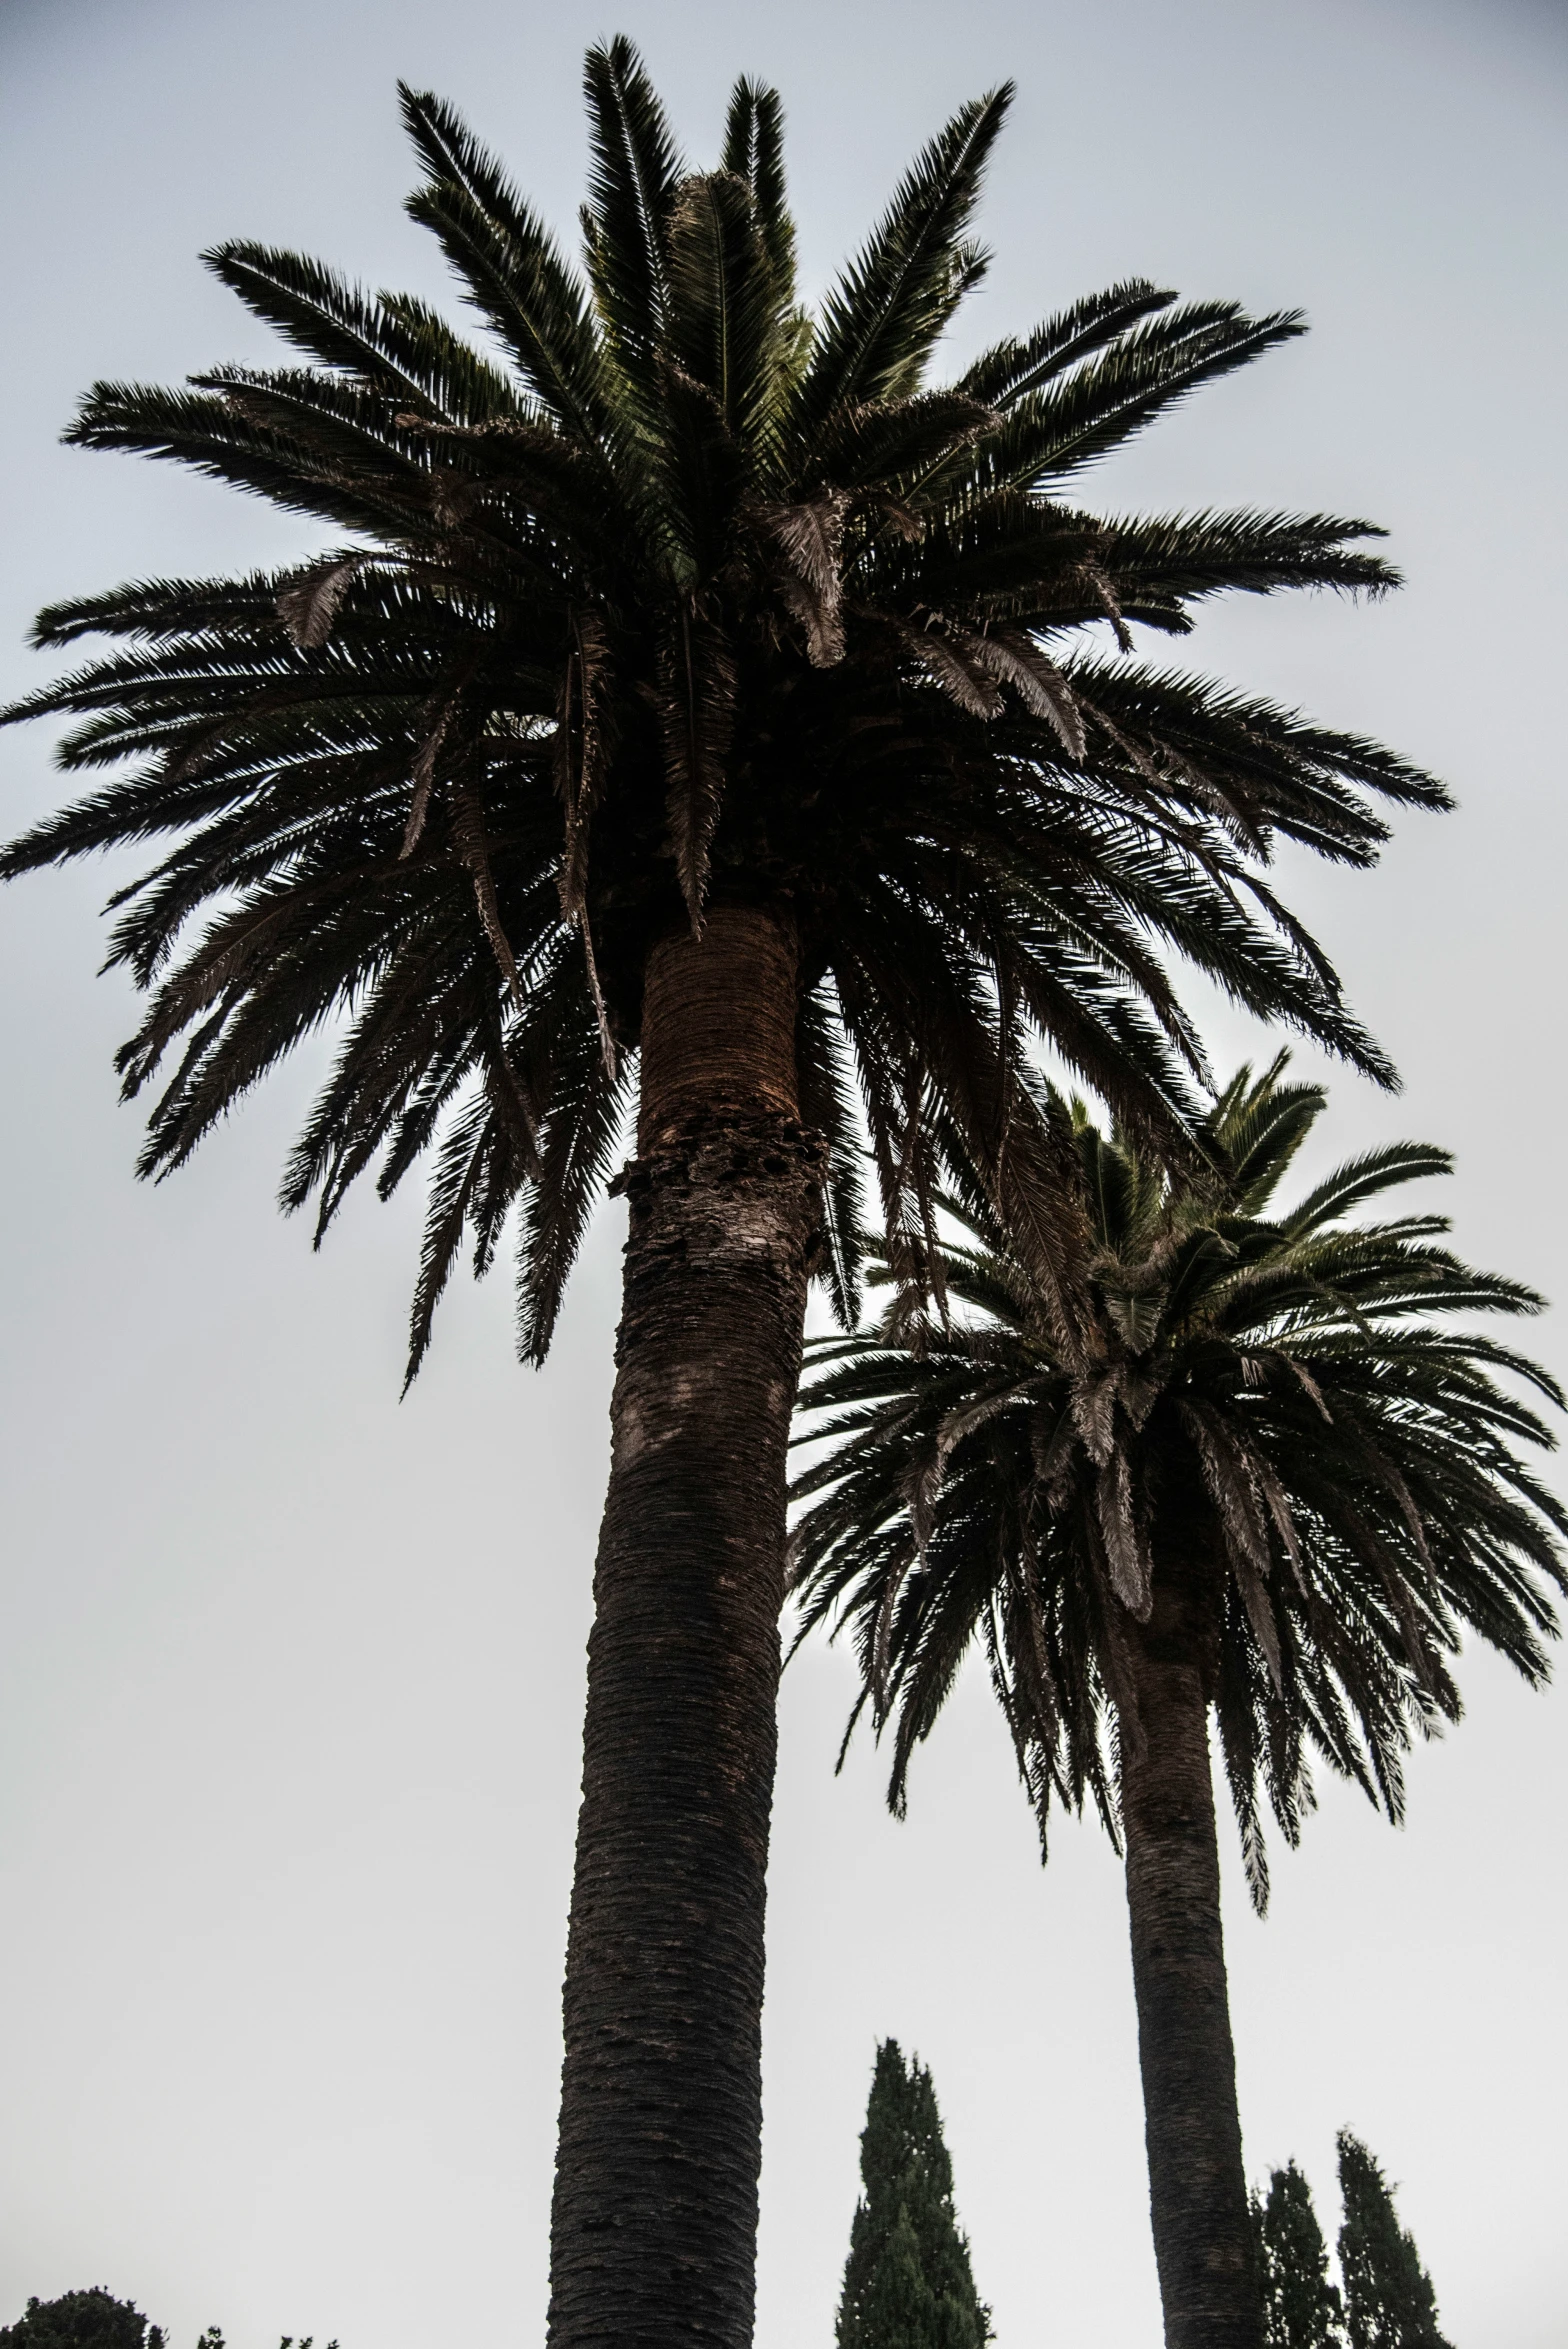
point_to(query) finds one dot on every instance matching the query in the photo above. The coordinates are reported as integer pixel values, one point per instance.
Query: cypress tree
(907, 2281)
(1389, 2300)
(1301, 2308)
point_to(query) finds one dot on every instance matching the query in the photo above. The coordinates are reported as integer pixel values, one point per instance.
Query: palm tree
(1278, 1483)
(694, 707)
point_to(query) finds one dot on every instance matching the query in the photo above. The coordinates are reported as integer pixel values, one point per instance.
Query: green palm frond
(1078, 416)
(390, 341)
(754, 152)
(881, 322)
(726, 321)
(1011, 370)
(511, 266)
(634, 173)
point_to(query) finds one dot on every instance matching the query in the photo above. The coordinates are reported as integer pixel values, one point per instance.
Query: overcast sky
(291, 1674)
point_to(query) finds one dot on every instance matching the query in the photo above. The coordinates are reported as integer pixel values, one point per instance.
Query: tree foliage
(1389, 2300)
(657, 591)
(1301, 2305)
(907, 2281)
(93, 2319)
(1289, 1407)
(96, 2320)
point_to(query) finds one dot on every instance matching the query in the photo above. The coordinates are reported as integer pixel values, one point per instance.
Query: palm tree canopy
(665, 593)
(1288, 1410)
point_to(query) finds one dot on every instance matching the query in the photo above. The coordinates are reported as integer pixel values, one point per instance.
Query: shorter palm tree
(1276, 1478)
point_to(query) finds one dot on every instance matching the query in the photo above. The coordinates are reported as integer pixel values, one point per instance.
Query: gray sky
(291, 1675)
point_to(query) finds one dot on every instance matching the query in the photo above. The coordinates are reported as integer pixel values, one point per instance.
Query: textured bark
(654, 2235)
(1197, 2187)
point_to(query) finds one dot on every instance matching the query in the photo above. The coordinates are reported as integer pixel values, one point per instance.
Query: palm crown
(1286, 1412)
(673, 595)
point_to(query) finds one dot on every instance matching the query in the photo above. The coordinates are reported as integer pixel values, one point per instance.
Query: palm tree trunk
(655, 2217)
(1197, 2187)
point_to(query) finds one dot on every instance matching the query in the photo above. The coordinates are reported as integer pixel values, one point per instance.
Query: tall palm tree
(1278, 1483)
(696, 708)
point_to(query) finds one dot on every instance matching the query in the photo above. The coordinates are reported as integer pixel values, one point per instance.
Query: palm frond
(634, 172)
(881, 321)
(515, 274)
